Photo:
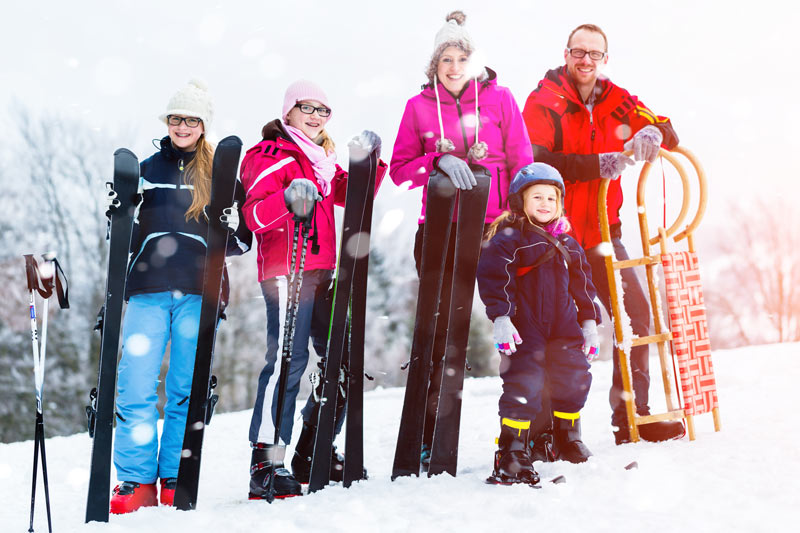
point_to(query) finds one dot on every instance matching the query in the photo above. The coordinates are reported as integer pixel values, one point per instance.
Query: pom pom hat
(191, 101)
(303, 90)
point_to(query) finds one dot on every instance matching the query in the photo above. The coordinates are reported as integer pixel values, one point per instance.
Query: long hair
(324, 140)
(198, 174)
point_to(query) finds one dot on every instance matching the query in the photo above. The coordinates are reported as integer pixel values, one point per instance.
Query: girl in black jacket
(537, 287)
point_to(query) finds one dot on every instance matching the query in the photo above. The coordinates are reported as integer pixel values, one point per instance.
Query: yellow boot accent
(519, 425)
(567, 416)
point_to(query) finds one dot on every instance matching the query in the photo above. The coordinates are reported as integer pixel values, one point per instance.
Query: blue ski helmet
(531, 175)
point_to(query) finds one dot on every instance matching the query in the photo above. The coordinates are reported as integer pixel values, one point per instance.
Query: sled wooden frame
(650, 261)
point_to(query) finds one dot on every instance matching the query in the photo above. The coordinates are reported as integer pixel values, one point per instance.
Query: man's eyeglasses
(579, 53)
(192, 122)
(309, 109)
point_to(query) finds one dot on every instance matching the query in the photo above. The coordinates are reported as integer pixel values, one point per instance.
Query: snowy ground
(741, 479)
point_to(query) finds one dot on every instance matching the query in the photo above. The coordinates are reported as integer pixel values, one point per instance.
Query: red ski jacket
(566, 135)
(266, 171)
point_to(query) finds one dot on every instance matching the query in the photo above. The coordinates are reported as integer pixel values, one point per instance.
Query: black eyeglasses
(309, 109)
(578, 53)
(192, 122)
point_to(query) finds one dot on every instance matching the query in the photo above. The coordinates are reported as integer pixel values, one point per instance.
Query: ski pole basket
(683, 343)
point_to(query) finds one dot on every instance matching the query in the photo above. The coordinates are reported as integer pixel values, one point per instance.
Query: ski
(440, 203)
(469, 234)
(354, 430)
(201, 400)
(101, 410)
(350, 283)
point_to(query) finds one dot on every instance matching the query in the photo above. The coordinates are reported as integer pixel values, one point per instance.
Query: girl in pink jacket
(295, 160)
(461, 116)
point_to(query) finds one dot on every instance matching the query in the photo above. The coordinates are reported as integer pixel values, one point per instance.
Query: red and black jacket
(566, 135)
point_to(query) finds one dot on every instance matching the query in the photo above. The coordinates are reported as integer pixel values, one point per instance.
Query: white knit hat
(192, 101)
(303, 90)
(453, 31)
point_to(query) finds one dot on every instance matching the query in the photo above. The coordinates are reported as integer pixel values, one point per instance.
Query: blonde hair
(198, 174)
(324, 140)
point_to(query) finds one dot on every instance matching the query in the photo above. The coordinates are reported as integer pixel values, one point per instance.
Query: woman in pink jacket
(295, 160)
(461, 116)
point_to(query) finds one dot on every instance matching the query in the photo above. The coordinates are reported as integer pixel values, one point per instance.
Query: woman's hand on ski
(591, 340)
(458, 171)
(645, 144)
(506, 336)
(364, 143)
(110, 199)
(230, 218)
(300, 196)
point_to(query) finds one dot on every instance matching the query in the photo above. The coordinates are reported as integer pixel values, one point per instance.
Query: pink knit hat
(302, 90)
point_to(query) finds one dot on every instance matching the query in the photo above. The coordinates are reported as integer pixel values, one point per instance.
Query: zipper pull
(180, 165)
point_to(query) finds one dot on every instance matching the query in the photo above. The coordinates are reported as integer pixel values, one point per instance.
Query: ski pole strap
(521, 271)
(45, 285)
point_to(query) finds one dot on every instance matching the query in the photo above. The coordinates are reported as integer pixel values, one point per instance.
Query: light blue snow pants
(151, 320)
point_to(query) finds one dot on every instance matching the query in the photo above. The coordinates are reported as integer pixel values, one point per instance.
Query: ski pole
(295, 284)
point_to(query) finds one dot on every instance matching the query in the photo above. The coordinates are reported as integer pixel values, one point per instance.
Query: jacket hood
(274, 130)
(558, 81)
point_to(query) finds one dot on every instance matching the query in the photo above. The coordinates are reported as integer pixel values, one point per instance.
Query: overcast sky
(725, 73)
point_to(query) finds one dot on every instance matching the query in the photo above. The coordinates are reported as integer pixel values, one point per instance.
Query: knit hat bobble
(303, 90)
(191, 101)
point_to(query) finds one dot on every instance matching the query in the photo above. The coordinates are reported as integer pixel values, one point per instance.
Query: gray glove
(645, 144)
(612, 164)
(591, 340)
(300, 196)
(458, 171)
(366, 141)
(506, 336)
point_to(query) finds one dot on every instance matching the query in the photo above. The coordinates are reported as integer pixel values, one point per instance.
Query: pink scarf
(324, 165)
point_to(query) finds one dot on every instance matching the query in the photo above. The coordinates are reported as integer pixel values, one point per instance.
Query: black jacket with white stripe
(167, 251)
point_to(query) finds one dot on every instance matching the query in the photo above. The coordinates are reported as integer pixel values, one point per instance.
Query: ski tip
(125, 151)
(230, 140)
(558, 480)
(632, 466)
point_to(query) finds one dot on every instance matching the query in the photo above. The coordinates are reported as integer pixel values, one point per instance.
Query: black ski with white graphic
(349, 301)
(201, 400)
(469, 234)
(439, 207)
(101, 410)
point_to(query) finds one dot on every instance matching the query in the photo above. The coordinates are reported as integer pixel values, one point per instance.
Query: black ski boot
(512, 462)
(541, 436)
(261, 462)
(567, 443)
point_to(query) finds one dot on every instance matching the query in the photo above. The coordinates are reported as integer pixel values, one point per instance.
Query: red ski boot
(129, 496)
(168, 490)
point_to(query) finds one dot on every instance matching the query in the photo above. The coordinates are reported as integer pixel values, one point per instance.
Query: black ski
(469, 234)
(101, 411)
(201, 400)
(438, 216)
(350, 285)
(354, 431)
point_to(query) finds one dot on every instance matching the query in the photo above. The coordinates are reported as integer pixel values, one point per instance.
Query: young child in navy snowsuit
(164, 287)
(537, 287)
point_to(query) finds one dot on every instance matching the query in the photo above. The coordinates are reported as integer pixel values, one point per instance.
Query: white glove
(458, 171)
(506, 336)
(110, 199)
(612, 164)
(366, 141)
(645, 144)
(591, 340)
(230, 217)
(300, 196)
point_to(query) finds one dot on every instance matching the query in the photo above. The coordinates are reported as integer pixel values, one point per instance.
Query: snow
(743, 478)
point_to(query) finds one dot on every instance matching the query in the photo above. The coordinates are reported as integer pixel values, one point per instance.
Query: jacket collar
(169, 151)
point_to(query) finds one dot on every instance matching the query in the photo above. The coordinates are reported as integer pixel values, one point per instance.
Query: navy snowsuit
(546, 305)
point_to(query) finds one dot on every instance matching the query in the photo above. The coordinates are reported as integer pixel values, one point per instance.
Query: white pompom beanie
(303, 90)
(192, 101)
